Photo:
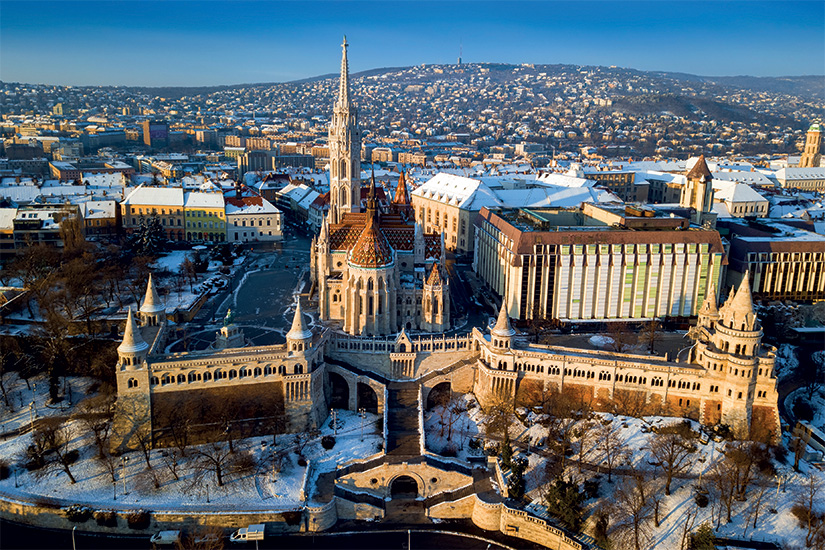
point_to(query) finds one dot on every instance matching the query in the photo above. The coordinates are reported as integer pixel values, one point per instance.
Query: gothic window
(233, 374)
(299, 368)
(154, 381)
(207, 376)
(257, 371)
(132, 383)
(435, 307)
(181, 379)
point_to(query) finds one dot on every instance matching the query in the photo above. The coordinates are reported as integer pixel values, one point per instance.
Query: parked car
(164, 538)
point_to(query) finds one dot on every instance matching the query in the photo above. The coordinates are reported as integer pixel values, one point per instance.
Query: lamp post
(114, 490)
(362, 413)
(31, 416)
(74, 547)
(123, 461)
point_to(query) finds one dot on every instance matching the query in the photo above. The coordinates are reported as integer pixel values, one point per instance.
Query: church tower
(811, 157)
(344, 150)
(698, 192)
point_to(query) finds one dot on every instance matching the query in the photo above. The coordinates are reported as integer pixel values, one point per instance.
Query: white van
(253, 532)
(164, 538)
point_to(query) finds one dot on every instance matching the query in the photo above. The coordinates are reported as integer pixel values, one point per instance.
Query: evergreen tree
(703, 538)
(506, 451)
(564, 501)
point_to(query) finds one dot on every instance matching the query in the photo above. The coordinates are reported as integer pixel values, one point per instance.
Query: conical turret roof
(151, 302)
(299, 330)
(699, 170)
(133, 341)
(709, 305)
(742, 302)
(503, 327)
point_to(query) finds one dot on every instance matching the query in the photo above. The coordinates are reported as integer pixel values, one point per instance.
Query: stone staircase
(402, 419)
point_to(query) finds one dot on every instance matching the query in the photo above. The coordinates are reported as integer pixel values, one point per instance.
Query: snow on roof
(474, 194)
(249, 205)
(155, 196)
(200, 199)
(565, 180)
(736, 192)
(22, 194)
(752, 178)
(721, 210)
(796, 173)
(98, 209)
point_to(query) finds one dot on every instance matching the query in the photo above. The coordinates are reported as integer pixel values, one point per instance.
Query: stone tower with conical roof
(812, 155)
(152, 311)
(741, 385)
(299, 337)
(133, 419)
(344, 150)
(698, 192)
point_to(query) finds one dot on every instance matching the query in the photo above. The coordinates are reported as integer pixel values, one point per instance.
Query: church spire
(299, 330)
(343, 86)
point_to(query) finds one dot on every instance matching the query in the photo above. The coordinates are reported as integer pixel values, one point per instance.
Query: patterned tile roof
(371, 248)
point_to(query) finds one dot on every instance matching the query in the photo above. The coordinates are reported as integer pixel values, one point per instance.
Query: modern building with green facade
(597, 262)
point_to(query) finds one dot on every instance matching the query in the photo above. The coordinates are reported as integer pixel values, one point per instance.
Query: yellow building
(205, 216)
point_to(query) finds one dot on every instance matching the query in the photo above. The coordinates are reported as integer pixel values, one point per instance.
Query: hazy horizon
(197, 44)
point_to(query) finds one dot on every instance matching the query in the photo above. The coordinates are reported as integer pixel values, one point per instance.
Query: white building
(252, 218)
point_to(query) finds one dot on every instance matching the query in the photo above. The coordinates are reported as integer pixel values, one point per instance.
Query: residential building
(251, 218)
(204, 215)
(165, 203)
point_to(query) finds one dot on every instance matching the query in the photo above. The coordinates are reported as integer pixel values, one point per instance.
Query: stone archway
(439, 395)
(404, 486)
(339, 391)
(367, 398)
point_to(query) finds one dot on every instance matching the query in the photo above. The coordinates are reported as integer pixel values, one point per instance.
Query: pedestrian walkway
(404, 436)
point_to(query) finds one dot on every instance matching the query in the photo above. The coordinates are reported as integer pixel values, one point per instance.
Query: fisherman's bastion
(380, 309)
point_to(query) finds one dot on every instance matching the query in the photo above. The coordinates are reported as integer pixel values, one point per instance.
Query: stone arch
(404, 486)
(439, 394)
(367, 398)
(339, 391)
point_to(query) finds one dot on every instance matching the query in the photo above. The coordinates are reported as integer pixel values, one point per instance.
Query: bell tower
(812, 157)
(344, 150)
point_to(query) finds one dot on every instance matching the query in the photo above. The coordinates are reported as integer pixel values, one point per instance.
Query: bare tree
(621, 335)
(634, 511)
(651, 333)
(95, 416)
(762, 484)
(498, 418)
(722, 482)
(216, 458)
(585, 434)
(207, 537)
(808, 510)
(612, 444)
(54, 436)
(672, 453)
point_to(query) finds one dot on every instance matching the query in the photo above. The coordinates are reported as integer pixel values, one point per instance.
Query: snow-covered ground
(259, 489)
(30, 402)
(781, 527)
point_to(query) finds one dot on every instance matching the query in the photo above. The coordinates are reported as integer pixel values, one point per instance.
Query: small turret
(708, 313)
(133, 349)
(503, 331)
(299, 337)
(152, 312)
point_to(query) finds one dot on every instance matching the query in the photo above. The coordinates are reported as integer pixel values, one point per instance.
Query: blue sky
(186, 43)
